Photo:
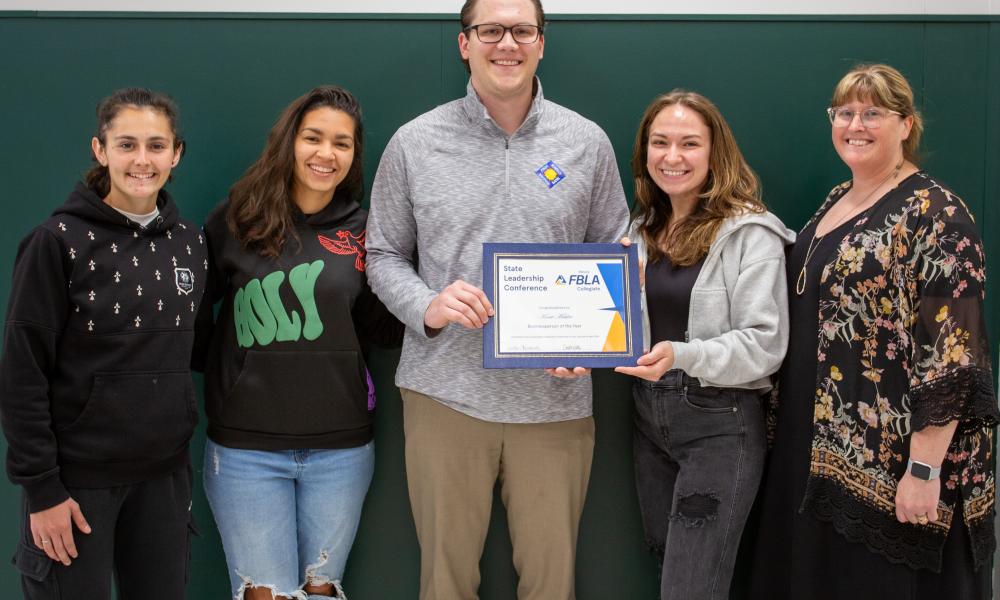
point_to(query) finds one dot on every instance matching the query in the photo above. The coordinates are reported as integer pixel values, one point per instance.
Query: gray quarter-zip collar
(476, 111)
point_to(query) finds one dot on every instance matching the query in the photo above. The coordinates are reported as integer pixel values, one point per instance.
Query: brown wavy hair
(260, 203)
(97, 178)
(883, 86)
(731, 187)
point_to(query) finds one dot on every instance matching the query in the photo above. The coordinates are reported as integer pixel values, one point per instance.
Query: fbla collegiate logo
(579, 279)
(346, 244)
(184, 280)
(551, 174)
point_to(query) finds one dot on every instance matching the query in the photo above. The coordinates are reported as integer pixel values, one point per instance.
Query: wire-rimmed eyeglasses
(871, 117)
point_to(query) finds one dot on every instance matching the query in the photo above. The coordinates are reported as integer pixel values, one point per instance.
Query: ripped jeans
(287, 518)
(699, 456)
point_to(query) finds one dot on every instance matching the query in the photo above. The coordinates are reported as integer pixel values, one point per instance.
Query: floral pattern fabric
(902, 345)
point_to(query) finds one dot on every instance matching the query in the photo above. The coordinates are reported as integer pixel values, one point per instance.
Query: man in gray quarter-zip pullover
(501, 164)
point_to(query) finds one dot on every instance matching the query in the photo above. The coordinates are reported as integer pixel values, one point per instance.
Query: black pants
(139, 532)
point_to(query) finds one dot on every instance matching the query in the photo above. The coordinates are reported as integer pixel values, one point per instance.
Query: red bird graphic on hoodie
(346, 243)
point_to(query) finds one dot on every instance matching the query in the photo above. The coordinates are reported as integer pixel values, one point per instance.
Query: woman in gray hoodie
(715, 322)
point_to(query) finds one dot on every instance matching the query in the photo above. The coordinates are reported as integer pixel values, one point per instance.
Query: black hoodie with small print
(95, 381)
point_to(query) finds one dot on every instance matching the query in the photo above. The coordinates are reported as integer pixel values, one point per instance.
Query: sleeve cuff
(416, 320)
(964, 395)
(45, 493)
(685, 355)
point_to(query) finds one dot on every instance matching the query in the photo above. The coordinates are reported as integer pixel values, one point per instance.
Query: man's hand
(461, 303)
(564, 373)
(52, 530)
(653, 364)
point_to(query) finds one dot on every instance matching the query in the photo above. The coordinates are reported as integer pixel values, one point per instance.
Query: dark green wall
(231, 76)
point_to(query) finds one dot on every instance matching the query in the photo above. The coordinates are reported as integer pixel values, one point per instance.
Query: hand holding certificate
(561, 305)
(461, 303)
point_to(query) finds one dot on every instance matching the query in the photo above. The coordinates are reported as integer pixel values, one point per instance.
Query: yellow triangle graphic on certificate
(616, 335)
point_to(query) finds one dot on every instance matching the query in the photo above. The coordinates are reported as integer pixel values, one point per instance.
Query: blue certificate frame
(561, 305)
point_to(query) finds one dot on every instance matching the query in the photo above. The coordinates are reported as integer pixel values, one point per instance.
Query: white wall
(909, 7)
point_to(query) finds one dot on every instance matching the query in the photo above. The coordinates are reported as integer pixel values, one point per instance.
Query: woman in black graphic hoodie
(290, 453)
(95, 388)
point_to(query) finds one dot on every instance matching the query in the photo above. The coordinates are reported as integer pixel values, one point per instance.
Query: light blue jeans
(289, 517)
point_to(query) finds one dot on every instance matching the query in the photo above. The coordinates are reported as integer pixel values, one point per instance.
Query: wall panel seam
(638, 18)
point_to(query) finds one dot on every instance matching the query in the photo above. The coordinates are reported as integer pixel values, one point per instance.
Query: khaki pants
(452, 463)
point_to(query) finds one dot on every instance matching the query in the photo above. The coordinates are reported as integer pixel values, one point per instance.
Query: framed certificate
(561, 305)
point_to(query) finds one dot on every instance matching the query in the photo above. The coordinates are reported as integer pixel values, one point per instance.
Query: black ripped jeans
(699, 454)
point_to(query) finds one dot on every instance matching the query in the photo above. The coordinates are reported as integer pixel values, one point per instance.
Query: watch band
(922, 470)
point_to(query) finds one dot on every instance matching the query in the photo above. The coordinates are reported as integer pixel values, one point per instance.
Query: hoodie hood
(84, 203)
(340, 208)
(731, 225)
(766, 220)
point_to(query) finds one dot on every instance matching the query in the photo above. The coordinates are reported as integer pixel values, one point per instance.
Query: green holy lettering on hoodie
(261, 317)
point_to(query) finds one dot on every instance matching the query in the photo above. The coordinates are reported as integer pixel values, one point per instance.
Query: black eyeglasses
(492, 33)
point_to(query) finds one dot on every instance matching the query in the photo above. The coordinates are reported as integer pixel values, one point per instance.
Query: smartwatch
(922, 470)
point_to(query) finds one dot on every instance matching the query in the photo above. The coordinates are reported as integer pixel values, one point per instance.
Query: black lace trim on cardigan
(914, 546)
(901, 543)
(771, 400)
(965, 394)
(984, 540)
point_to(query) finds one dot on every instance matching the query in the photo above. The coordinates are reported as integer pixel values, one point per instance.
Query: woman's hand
(642, 264)
(917, 500)
(653, 364)
(52, 530)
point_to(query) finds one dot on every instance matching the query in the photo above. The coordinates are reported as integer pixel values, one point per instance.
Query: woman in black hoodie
(288, 397)
(95, 388)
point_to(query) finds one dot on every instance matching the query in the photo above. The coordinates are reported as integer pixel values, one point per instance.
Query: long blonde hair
(731, 187)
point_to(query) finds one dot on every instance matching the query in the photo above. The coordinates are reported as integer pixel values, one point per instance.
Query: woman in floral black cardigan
(881, 481)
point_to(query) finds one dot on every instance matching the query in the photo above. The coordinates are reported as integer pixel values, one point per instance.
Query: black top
(285, 368)
(796, 379)
(95, 386)
(668, 298)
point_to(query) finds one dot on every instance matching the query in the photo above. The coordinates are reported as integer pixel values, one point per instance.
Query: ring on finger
(46, 542)
(922, 519)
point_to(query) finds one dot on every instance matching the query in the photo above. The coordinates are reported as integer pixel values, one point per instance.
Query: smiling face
(506, 69)
(865, 150)
(138, 150)
(324, 151)
(678, 153)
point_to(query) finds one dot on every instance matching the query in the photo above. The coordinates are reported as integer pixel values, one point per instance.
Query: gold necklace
(800, 283)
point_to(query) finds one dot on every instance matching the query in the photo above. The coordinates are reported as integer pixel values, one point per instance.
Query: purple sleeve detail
(371, 390)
